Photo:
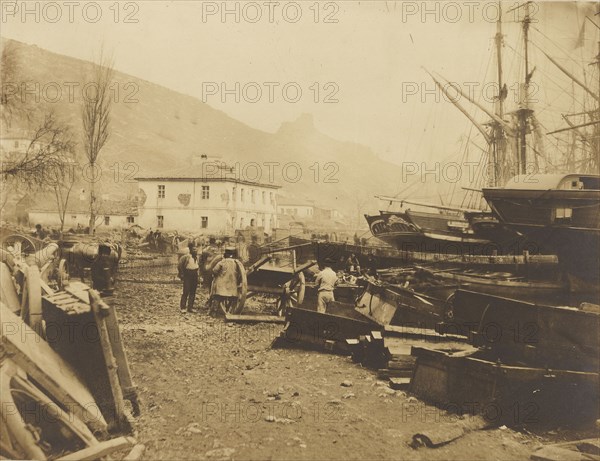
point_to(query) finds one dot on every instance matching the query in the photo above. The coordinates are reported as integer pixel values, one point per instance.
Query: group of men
(222, 279)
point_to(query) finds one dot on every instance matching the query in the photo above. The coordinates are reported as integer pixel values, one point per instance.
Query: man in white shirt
(326, 281)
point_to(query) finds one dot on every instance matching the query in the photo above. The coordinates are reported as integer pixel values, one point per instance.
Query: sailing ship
(510, 152)
(561, 212)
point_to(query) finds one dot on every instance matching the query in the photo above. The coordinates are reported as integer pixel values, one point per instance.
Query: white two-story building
(189, 199)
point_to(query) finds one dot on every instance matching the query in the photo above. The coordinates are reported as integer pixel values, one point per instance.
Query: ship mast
(590, 162)
(524, 112)
(594, 159)
(498, 146)
(498, 40)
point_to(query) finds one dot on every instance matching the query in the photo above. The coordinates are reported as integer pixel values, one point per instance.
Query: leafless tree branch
(96, 113)
(44, 161)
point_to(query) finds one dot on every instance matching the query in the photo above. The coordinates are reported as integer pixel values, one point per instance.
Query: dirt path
(212, 390)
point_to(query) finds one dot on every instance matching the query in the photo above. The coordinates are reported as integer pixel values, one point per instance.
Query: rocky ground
(211, 390)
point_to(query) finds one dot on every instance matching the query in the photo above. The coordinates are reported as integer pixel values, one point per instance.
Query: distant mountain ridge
(160, 129)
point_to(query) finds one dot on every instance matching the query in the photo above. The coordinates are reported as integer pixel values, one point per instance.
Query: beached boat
(557, 212)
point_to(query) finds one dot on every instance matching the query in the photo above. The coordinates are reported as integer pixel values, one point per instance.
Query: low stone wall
(158, 261)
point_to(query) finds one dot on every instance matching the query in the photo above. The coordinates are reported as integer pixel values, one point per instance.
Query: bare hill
(158, 129)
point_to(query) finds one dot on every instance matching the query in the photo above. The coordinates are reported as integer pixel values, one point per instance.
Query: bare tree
(43, 159)
(42, 163)
(96, 124)
(360, 202)
(62, 187)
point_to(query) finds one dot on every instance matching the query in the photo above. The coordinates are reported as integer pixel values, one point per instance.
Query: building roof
(47, 203)
(209, 172)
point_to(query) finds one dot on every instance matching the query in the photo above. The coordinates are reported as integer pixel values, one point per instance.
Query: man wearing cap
(225, 282)
(326, 281)
(188, 271)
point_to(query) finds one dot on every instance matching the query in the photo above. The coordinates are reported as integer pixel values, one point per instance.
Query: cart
(284, 283)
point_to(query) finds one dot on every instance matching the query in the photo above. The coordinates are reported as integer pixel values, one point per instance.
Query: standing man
(352, 265)
(40, 232)
(188, 271)
(326, 281)
(372, 266)
(226, 278)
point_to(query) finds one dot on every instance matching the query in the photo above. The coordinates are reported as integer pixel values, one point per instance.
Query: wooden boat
(511, 394)
(554, 337)
(393, 305)
(535, 363)
(305, 327)
(558, 212)
(445, 232)
(506, 284)
(387, 256)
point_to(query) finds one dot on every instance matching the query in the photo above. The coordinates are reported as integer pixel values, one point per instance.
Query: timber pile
(389, 350)
(62, 395)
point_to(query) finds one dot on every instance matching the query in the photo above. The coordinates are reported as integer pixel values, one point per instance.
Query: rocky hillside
(158, 129)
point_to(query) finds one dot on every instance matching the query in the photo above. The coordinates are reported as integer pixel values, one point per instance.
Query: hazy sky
(365, 57)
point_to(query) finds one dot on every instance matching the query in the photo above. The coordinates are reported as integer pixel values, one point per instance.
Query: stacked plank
(368, 350)
(399, 368)
(389, 350)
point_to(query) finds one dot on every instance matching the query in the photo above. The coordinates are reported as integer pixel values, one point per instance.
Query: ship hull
(421, 232)
(566, 222)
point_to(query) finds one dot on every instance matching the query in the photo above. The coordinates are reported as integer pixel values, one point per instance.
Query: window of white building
(205, 192)
(161, 191)
(160, 221)
(204, 222)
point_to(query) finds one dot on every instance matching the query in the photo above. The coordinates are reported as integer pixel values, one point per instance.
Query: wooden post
(123, 371)
(101, 310)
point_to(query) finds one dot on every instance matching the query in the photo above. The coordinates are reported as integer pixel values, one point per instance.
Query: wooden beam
(254, 318)
(136, 453)
(257, 264)
(100, 450)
